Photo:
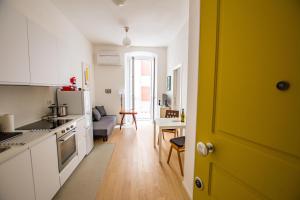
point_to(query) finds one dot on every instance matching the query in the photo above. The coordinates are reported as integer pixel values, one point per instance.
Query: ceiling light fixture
(119, 2)
(126, 39)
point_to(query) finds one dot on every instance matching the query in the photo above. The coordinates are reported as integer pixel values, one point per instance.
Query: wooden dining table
(166, 123)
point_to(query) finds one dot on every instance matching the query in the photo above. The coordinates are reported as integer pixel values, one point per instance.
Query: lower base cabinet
(16, 180)
(81, 139)
(45, 168)
(89, 139)
(34, 175)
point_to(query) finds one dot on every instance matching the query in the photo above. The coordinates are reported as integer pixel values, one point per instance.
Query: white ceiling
(151, 22)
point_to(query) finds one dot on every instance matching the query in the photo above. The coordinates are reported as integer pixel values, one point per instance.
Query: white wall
(178, 55)
(184, 51)
(193, 60)
(27, 102)
(110, 77)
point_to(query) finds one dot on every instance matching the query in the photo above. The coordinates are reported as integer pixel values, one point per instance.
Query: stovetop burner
(45, 124)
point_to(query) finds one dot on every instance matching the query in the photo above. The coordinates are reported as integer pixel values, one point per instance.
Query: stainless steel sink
(2, 149)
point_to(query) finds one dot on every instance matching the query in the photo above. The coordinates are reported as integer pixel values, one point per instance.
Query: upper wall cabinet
(14, 67)
(43, 56)
(29, 54)
(64, 63)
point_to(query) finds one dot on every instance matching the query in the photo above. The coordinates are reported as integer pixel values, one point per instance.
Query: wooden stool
(178, 144)
(123, 113)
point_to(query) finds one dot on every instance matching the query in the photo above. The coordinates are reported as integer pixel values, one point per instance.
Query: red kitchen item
(73, 80)
(71, 87)
(67, 88)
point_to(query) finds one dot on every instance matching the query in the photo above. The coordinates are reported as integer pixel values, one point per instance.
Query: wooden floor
(134, 171)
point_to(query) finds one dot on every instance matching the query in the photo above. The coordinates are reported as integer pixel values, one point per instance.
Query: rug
(85, 181)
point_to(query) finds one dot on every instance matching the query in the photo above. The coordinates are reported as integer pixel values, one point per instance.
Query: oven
(66, 147)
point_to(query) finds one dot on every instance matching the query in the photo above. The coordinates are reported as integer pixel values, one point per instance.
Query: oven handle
(65, 138)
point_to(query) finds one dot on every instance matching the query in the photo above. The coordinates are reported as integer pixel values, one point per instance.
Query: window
(145, 68)
(145, 93)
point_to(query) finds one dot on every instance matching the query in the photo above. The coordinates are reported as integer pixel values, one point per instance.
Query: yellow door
(249, 100)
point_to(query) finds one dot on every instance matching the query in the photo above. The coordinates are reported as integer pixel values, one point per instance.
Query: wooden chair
(177, 143)
(171, 114)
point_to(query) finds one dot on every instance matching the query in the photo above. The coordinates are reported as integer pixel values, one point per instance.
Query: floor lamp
(121, 92)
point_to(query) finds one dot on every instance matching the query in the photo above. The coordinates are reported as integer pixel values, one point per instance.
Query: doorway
(140, 84)
(177, 88)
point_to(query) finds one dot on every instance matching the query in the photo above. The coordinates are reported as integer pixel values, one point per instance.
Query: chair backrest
(172, 114)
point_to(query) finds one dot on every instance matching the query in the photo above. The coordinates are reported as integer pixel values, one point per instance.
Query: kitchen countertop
(31, 138)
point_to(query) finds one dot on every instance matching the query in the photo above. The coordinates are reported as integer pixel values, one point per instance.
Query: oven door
(66, 148)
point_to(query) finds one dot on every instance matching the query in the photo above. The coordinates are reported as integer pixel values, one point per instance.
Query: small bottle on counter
(182, 116)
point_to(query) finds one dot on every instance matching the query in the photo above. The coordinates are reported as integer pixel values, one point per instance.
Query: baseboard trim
(190, 193)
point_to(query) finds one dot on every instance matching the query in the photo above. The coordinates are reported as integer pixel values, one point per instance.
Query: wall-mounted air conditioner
(108, 58)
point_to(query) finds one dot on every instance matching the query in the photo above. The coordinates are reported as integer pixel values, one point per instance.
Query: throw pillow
(96, 114)
(101, 110)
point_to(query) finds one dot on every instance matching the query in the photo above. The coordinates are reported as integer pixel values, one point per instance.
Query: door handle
(205, 149)
(66, 137)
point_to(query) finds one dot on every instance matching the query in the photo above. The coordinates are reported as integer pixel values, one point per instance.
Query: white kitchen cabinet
(89, 139)
(64, 63)
(81, 139)
(45, 168)
(16, 180)
(43, 56)
(14, 67)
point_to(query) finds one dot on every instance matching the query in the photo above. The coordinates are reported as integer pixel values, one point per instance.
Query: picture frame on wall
(169, 81)
(85, 75)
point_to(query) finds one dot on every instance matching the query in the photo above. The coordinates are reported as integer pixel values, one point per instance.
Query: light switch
(107, 91)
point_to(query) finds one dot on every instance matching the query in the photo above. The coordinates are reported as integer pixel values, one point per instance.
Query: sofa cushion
(102, 110)
(96, 114)
(105, 125)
